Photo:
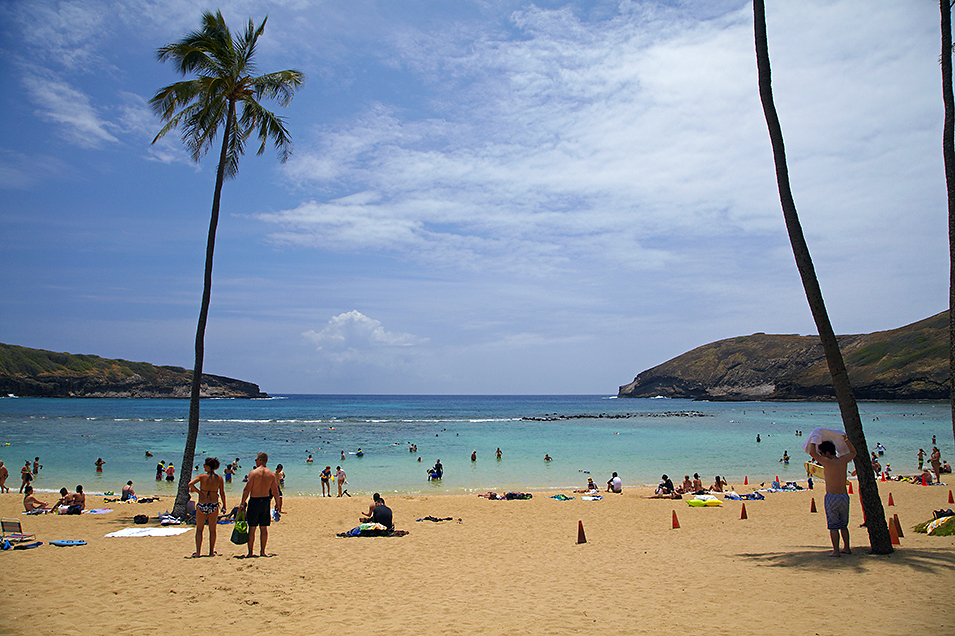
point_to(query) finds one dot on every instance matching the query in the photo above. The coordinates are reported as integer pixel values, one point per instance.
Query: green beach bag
(240, 533)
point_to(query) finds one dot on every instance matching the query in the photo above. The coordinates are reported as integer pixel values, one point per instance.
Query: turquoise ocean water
(659, 436)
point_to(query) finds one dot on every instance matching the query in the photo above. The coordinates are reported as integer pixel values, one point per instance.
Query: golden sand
(500, 567)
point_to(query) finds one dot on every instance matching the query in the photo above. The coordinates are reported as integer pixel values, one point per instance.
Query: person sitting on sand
(591, 486)
(686, 486)
(375, 500)
(64, 501)
(615, 484)
(31, 503)
(380, 513)
(665, 487)
(128, 493)
(837, 499)
(718, 484)
(77, 502)
(697, 484)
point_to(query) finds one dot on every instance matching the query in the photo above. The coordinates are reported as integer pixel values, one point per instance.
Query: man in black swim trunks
(259, 489)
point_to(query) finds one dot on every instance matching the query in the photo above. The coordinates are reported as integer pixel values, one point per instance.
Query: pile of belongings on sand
(941, 526)
(789, 486)
(753, 496)
(371, 529)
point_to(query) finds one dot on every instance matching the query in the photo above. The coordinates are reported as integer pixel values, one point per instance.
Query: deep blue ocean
(658, 436)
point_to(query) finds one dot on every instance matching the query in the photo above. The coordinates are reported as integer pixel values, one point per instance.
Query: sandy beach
(499, 567)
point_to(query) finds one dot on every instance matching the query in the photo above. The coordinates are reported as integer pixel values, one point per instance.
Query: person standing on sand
(340, 480)
(261, 486)
(210, 488)
(837, 499)
(936, 460)
(326, 481)
(4, 473)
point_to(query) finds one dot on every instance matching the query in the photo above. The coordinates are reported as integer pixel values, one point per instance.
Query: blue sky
(485, 197)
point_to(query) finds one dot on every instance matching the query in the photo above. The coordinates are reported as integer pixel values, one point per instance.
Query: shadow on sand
(816, 558)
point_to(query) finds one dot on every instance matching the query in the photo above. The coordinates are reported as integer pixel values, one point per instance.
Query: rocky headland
(909, 363)
(29, 372)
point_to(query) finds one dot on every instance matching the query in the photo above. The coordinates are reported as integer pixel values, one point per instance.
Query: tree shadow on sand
(927, 561)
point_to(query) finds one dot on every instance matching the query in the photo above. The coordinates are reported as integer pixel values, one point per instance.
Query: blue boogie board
(67, 542)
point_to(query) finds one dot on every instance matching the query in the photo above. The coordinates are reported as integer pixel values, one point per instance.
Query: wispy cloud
(59, 102)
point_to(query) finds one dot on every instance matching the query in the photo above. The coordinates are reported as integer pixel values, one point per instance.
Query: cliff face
(909, 363)
(37, 373)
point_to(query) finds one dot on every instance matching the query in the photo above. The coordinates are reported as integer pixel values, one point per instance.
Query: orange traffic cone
(742, 513)
(777, 477)
(746, 480)
(950, 499)
(812, 505)
(891, 503)
(894, 534)
(898, 526)
(581, 538)
(883, 475)
(850, 488)
(676, 522)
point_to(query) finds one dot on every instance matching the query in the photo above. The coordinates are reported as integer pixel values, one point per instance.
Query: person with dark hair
(697, 484)
(77, 502)
(379, 513)
(326, 481)
(209, 487)
(26, 476)
(128, 492)
(615, 484)
(837, 499)
(259, 490)
(666, 486)
(31, 503)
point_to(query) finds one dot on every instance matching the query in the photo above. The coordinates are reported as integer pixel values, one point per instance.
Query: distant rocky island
(28, 372)
(909, 363)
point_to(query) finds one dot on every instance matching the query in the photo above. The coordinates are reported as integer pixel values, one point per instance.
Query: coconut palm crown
(199, 107)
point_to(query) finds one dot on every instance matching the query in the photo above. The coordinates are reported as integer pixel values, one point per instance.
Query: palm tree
(202, 106)
(879, 538)
(948, 155)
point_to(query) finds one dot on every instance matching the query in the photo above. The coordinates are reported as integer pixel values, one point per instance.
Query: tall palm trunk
(948, 154)
(192, 434)
(868, 488)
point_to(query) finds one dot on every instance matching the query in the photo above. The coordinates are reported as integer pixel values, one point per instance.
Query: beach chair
(13, 532)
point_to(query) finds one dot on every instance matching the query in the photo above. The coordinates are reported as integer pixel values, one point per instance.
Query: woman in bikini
(210, 487)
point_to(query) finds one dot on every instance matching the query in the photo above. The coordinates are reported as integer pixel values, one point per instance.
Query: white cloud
(354, 336)
(68, 107)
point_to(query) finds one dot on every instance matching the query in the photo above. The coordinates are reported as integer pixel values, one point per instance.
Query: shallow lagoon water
(659, 436)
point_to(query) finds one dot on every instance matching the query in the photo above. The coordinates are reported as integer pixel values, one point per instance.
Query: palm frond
(280, 86)
(202, 107)
(267, 125)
